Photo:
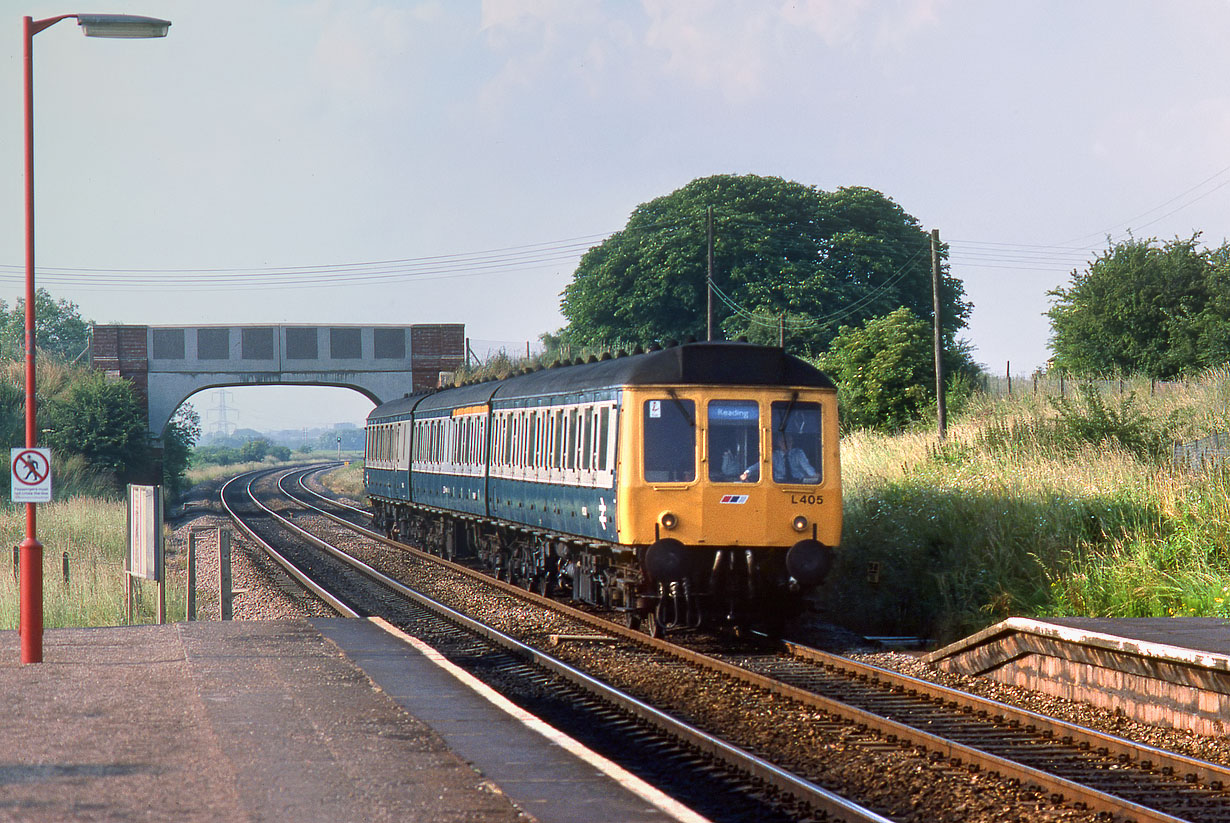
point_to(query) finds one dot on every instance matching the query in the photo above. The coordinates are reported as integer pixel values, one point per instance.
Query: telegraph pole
(940, 409)
(709, 278)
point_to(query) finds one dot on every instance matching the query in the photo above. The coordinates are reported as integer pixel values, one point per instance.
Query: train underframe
(659, 588)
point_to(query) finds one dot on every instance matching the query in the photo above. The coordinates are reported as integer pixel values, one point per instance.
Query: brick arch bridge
(169, 364)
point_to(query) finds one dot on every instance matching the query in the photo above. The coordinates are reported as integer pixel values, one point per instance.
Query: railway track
(701, 770)
(958, 732)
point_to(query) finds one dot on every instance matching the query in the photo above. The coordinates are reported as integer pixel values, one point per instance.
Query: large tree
(59, 329)
(1144, 308)
(782, 251)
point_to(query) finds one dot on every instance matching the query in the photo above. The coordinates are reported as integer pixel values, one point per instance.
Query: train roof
(734, 364)
(400, 407)
(474, 394)
(740, 364)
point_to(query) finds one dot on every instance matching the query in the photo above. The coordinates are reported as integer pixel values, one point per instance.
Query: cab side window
(796, 443)
(669, 427)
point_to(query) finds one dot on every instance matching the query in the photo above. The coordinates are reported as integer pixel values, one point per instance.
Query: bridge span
(169, 364)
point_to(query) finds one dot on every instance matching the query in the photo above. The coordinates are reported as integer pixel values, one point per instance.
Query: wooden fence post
(190, 614)
(224, 574)
(162, 586)
(128, 587)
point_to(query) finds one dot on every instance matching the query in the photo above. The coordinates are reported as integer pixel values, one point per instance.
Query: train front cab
(733, 492)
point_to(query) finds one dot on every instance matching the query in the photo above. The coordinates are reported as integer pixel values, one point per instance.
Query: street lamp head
(122, 25)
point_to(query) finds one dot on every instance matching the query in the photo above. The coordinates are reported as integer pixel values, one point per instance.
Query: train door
(732, 509)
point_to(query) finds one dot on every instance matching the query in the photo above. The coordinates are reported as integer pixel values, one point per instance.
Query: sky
(368, 161)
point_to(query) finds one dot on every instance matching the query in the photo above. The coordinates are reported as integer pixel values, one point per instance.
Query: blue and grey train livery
(669, 483)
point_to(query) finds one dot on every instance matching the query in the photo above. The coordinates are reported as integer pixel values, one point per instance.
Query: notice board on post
(145, 532)
(30, 475)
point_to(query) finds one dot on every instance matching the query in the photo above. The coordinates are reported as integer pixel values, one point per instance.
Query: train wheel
(544, 586)
(652, 627)
(632, 620)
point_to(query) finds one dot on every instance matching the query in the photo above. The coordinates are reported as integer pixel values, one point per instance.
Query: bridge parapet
(168, 364)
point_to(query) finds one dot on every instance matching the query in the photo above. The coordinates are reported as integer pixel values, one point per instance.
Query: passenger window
(734, 441)
(670, 440)
(603, 433)
(796, 443)
(557, 440)
(587, 448)
(536, 449)
(570, 458)
(508, 439)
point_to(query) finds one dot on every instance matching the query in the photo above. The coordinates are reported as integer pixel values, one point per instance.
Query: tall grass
(92, 532)
(1033, 507)
(347, 480)
(210, 472)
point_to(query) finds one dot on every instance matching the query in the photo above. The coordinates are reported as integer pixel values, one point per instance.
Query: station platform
(1164, 671)
(311, 721)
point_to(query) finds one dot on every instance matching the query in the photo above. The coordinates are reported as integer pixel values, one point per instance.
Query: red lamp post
(31, 559)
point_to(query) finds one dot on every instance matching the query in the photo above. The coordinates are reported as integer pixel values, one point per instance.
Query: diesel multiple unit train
(687, 485)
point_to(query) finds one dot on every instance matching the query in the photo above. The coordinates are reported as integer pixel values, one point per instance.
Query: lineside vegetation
(92, 531)
(1036, 506)
(91, 528)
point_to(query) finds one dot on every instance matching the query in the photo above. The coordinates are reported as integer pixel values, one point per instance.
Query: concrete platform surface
(252, 721)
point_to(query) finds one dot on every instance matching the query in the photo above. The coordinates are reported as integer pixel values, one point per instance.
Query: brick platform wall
(1145, 699)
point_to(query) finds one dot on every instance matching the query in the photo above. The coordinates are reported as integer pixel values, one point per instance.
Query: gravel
(261, 590)
(904, 783)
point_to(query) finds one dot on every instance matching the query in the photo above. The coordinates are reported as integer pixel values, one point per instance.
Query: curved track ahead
(706, 755)
(1084, 767)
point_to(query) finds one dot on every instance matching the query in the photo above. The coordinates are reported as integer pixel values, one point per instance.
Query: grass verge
(1033, 507)
(91, 532)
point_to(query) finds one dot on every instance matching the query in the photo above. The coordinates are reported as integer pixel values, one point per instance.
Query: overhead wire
(517, 259)
(1126, 224)
(1075, 253)
(504, 260)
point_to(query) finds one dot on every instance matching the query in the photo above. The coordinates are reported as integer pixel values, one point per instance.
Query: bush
(102, 420)
(215, 456)
(1094, 421)
(882, 371)
(885, 372)
(254, 451)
